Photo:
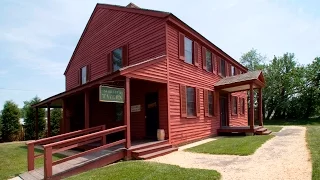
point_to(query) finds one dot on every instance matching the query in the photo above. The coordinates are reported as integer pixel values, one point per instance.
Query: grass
(313, 136)
(136, 170)
(301, 122)
(235, 145)
(13, 159)
(273, 128)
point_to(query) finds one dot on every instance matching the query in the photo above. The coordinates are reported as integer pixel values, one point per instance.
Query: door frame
(157, 110)
(226, 97)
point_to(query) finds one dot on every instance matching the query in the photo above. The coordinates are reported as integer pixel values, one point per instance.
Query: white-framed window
(84, 75)
(188, 49)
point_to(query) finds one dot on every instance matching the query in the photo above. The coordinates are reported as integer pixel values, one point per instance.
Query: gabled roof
(241, 82)
(251, 75)
(160, 14)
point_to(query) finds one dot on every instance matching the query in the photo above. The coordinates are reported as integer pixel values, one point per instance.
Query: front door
(152, 115)
(224, 110)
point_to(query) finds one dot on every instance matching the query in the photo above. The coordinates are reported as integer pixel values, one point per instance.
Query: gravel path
(285, 156)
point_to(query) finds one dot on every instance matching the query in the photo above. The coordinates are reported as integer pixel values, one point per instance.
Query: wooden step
(158, 153)
(147, 145)
(262, 129)
(149, 150)
(267, 132)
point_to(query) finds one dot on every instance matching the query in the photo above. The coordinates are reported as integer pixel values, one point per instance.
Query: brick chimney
(131, 5)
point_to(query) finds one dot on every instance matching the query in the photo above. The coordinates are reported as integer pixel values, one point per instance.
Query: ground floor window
(191, 103)
(234, 100)
(242, 105)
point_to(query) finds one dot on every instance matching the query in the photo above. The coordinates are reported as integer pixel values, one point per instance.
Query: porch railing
(54, 145)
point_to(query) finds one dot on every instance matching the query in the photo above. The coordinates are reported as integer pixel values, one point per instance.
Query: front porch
(252, 82)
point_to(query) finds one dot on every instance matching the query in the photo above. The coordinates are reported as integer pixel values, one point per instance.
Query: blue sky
(37, 38)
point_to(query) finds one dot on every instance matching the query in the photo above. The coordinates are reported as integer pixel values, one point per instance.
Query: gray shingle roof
(251, 75)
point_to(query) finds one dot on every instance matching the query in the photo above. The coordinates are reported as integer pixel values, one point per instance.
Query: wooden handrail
(66, 135)
(88, 136)
(63, 145)
(31, 144)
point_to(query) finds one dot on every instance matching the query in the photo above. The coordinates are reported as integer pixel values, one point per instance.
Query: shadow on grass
(40, 151)
(302, 122)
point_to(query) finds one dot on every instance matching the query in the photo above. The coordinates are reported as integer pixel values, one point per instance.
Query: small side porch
(251, 82)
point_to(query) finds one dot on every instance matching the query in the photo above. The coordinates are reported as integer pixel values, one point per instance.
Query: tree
(10, 121)
(56, 116)
(283, 78)
(0, 125)
(253, 60)
(30, 118)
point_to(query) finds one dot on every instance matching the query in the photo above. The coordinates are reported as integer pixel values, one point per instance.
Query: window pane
(210, 101)
(119, 111)
(188, 57)
(190, 102)
(208, 61)
(232, 71)
(223, 67)
(234, 105)
(188, 50)
(117, 59)
(84, 75)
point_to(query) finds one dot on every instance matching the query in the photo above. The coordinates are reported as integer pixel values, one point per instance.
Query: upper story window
(191, 101)
(188, 49)
(83, 75)
(223, 67)
(234, 103)
(117, 59)
(233, 71)
(208, 61)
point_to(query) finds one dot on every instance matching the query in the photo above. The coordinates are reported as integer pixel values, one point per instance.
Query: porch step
(158, 153)
(141, 152)
(261, 129)
(148, 145)
(267, 132)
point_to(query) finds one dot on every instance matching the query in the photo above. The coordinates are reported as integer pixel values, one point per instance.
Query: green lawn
(235, 145)
(136, 170)
(13, 159)
(313, 138)
(273, 128)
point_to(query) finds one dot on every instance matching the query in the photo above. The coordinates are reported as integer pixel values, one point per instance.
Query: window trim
(192, 51)
(242, 106)
(232, 105)
(112, 62)
(212, 94)
(194, 102)
(80, 78)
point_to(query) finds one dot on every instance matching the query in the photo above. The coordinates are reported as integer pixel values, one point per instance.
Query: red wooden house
(173, 79)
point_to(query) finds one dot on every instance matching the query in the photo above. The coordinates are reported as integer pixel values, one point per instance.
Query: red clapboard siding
(111, 29)
(185, 129)
(239, 119)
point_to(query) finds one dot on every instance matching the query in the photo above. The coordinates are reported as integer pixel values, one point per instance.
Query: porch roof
(56, 100)
(241, 82)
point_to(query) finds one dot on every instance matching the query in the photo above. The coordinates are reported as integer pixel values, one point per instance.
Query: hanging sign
(136, 108)
(111, 94)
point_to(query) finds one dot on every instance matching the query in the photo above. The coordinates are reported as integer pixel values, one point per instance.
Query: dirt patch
(285, 156)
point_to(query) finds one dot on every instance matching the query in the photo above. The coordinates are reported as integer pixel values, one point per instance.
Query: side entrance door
(224, 110)
(152, 115)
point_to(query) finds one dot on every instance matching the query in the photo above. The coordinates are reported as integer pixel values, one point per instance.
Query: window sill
(232, 114)
(191, 117)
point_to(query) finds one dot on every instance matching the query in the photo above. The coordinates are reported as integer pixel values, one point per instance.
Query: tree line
(292, 90)
(11, 129)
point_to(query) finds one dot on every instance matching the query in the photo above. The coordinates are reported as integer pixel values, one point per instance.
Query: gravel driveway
(285, 156)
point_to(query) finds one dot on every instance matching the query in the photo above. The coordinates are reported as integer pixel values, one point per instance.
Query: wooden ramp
(257, 130)
(77, 165)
